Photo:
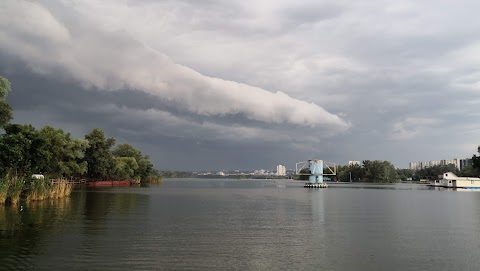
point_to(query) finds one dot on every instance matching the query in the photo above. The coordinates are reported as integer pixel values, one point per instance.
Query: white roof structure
(451, 176)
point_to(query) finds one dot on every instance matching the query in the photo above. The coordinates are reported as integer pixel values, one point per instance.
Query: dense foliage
(139, 165)
(5, 109)
(25, 150)
(383, 171)
(370, 171)
(64, 156)
(476, 163)
(100, 161)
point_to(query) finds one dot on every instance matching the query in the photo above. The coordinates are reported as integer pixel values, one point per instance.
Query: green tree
(470, 171)
(64, 155)
(126, 150)
(345, 171)
(22, 149)
(357, 173)
(404, 174)
(476, 160)
(125, 168)
(379, 171)
(100, 162)
(343, 174)
(5, 109)
(144, 168)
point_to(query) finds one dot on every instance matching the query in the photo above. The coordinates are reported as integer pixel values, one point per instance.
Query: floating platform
(316, 185)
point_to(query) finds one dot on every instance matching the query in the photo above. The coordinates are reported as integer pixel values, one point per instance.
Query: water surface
(187, 224)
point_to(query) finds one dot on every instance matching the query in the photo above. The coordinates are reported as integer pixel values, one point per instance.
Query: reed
(15, 187)
(42, 189)
(60, 189)
(38, 190)
(3, 190)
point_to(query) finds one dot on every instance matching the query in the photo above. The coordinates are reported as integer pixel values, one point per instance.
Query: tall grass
(14, 187)
(38, 189)
(154, 179)
(60, 189)
(41, 189)
(3, 190)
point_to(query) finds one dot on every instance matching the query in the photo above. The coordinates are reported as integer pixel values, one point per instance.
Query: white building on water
(281, 170)
(451, 180)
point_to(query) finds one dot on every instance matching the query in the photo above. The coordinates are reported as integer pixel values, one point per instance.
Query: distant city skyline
(460, 164)
(246, 84)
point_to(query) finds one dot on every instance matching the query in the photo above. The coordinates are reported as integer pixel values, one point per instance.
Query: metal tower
(315, 170)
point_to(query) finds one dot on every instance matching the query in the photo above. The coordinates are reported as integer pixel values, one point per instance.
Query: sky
(211, 85)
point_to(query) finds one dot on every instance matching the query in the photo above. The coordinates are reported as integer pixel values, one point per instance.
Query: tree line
(24, 151)
(384, 172)
(376, 171)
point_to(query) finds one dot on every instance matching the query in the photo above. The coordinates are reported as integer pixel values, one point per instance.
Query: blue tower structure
(315, 170)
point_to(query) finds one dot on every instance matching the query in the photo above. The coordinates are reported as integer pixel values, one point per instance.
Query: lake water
(195, 224)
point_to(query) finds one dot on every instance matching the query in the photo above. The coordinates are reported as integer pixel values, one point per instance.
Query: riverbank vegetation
(49, 151)
(385, 172)
(53, 153)
(376, 171)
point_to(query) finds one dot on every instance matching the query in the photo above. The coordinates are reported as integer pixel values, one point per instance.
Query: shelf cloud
(113, 60)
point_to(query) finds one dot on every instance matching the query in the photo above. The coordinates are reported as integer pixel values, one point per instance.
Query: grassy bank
(13, 188)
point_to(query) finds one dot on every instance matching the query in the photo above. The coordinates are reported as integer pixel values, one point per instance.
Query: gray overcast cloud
(251, 84)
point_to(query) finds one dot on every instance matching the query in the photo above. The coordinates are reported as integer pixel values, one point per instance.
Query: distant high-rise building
(460, 164)
(281, 170)
(354, 163)
(415, 165)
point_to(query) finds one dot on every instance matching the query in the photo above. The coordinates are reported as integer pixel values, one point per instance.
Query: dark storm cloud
(187, 80)
(65, 104)
(42, 102)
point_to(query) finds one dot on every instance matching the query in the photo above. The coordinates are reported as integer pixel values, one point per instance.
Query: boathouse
(450, 180)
